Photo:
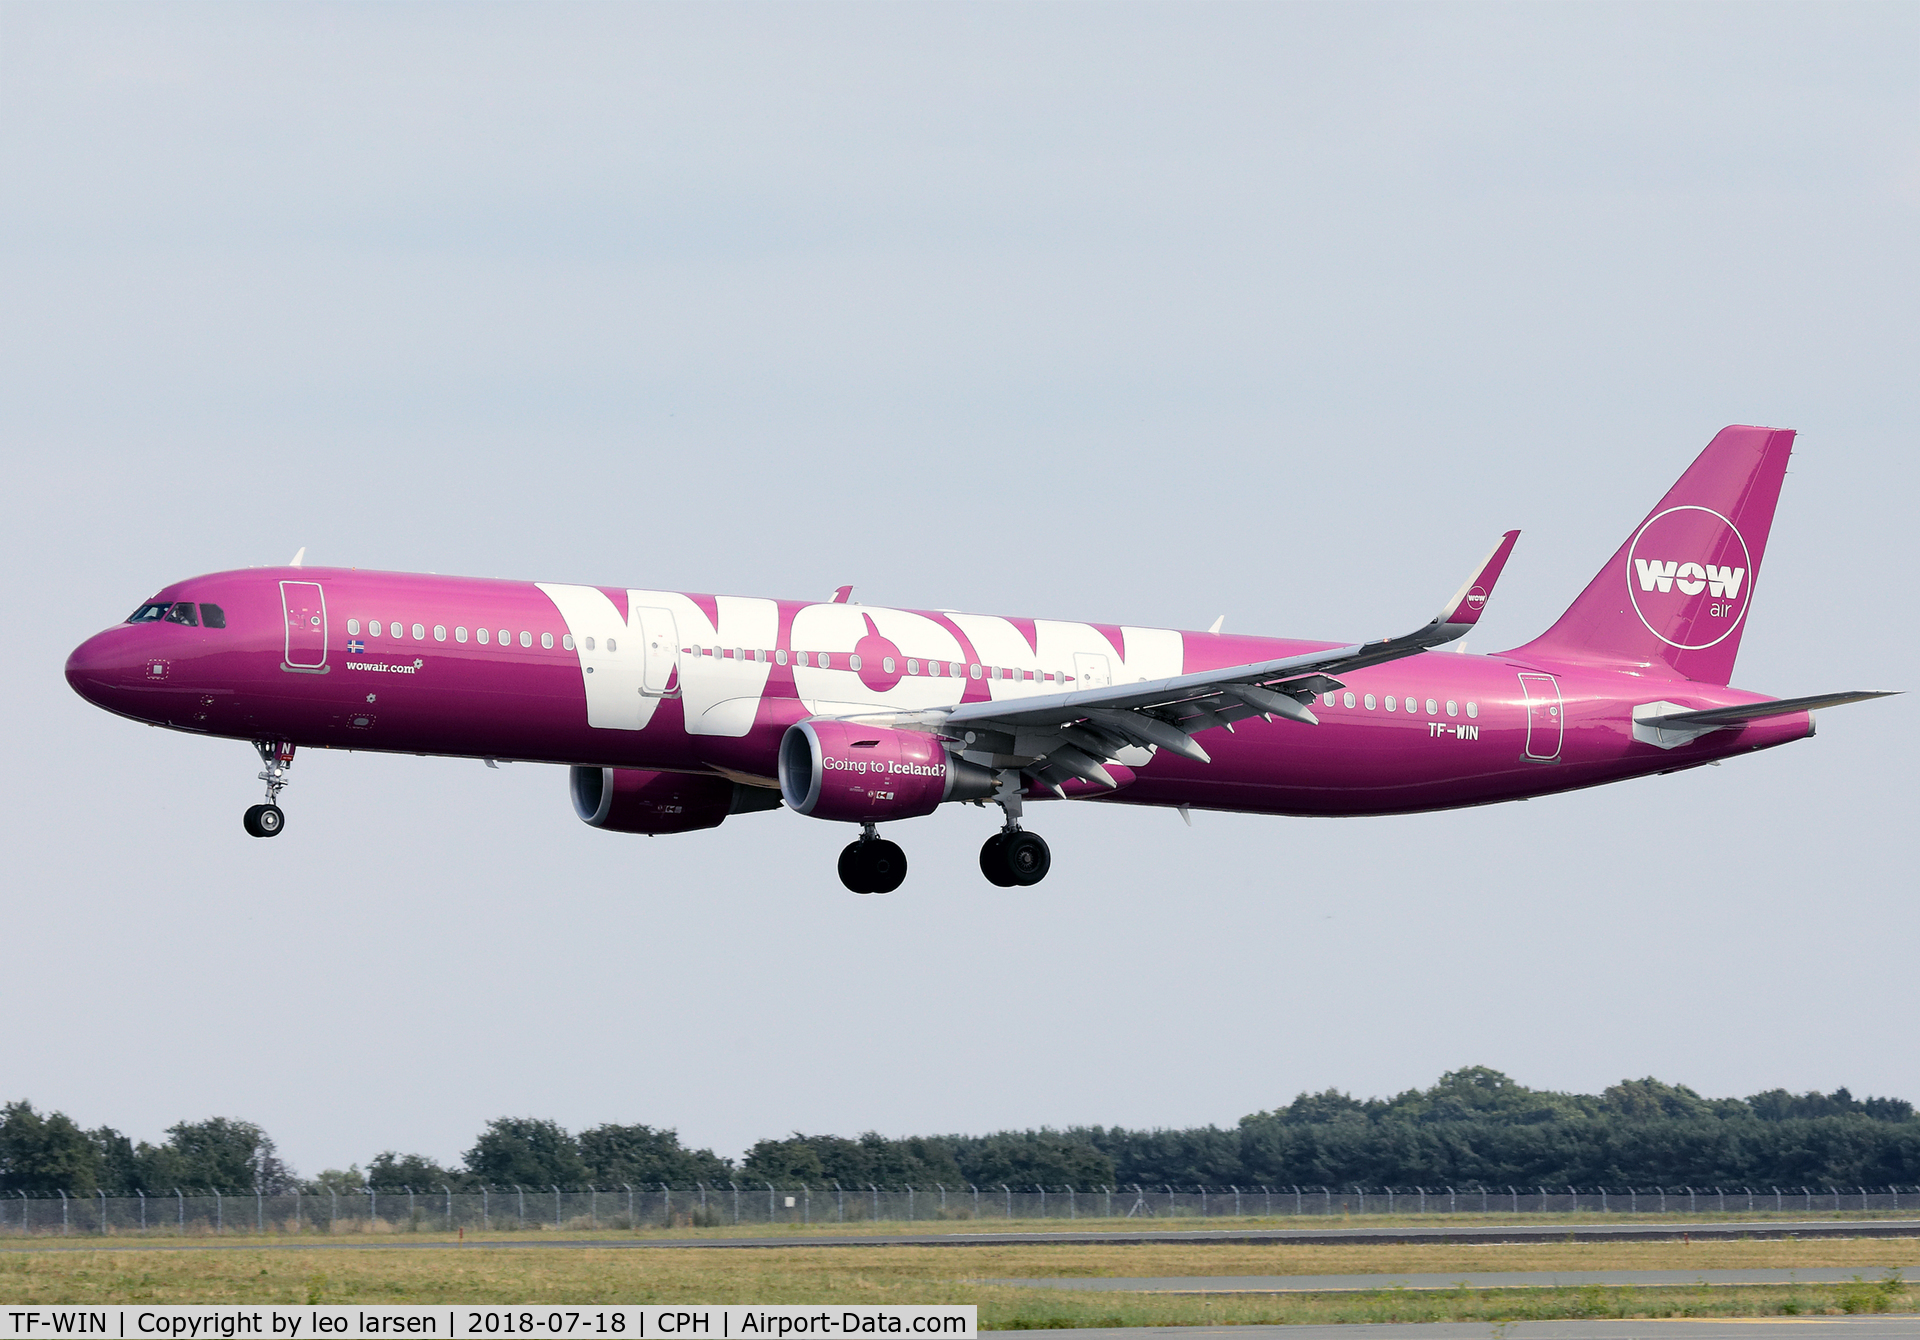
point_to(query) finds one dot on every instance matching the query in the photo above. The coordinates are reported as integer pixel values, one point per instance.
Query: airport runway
(1730, 1328)
(1723, 1230)
(1505, 1279)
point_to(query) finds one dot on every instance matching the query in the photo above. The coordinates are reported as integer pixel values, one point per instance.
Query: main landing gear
(1014, 856)
(1011, 858)
(873, 864)
(267, 820)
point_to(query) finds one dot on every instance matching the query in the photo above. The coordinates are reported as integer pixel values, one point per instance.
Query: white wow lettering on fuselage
(1692, 578)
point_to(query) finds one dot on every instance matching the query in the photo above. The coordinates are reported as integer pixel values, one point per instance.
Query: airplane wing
(1068, 735)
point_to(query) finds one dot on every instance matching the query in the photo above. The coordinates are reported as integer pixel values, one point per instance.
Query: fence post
(1326, 1193)
(1450, 1200)
(769, 1202)
(521, 1195)
(449, 1190)
(182, 1200)
(63, 1212)
(1203, 1202)
(840, 1203)
(1073, 1209)
(1515, 1195)
(1110, 1201)
(333, 1207)
(1543, 1200)
(1776, 1201)
(1169, 1202)
(876, 1201)
(666, 1204)
(976, 1198)
(736, 1199)
(23, 1212)
(943, 1198)
(632, 1223)
(556, 1207)
(1043, 1200)
(1008, 1190)
(373, 1205)
(486, 1218)
(1690, 1200)
(143, 1209)
(806, 1204)
(909, 1202)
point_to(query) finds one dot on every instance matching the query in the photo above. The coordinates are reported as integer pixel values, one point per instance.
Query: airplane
(675, 711)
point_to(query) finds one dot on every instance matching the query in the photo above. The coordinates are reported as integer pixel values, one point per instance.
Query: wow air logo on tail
(1688, 574)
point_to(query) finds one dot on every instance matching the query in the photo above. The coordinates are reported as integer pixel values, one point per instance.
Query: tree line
(1473, 1127)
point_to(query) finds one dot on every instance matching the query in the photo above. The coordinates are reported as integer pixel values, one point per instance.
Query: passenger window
(1389, 702)
(886, 664)
(1369, 702)
(826, 661)
(1330, 699)
(780, 656)
(589, 644)
(182, 612)
(1433, 708)
(974, 670)
(854, 660)
(212, 615)
(566, 641)
(439, 632)
(373, 628)
(800, 658)
(353, 628)
(483, 635)
(526, 638)
(460, 633)
(1453, 708)
(1347, 701)
(419, 632)
(1473, 708)
(546, 641)
(612, 645)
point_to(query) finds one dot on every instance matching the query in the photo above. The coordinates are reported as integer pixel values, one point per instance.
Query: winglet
(842, 594)
(299, 557)
(1463, 611)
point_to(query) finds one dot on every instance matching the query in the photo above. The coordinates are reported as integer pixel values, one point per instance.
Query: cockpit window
(149, 613)
(212, 615)
(182, 612)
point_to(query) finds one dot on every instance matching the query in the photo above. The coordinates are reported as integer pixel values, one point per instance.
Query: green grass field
(48, 1271)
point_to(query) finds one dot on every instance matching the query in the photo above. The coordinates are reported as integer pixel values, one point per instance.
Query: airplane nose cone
(101, 665)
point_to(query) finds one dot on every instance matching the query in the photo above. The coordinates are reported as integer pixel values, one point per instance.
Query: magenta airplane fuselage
(674, 710)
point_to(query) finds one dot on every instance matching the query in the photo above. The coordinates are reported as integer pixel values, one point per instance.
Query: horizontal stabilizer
(1733, 716)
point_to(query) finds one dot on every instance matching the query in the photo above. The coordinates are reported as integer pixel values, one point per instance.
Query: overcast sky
(1131, 313)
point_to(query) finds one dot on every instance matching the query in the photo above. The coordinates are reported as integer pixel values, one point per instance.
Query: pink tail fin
(1674, 598)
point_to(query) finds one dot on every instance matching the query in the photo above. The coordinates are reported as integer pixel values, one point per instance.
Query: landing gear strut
(1014, 856)
(267, 820)
(873, 864)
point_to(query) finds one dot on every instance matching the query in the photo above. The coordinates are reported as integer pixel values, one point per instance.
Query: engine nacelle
(870, 774)
(633, 800)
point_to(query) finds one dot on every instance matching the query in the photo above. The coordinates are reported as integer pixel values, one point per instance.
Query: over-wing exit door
(305, 607)
(660, 643)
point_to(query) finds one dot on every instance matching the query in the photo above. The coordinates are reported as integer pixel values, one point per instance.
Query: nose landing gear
(267, 820)
(873, 864)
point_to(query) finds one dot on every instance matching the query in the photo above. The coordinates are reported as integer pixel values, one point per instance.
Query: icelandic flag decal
(356, 646)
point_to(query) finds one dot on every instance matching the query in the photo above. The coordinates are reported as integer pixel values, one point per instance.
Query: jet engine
(870, 774)
(633, 800)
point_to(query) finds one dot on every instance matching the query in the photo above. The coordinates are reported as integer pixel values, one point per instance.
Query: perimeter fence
(705, 1205)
